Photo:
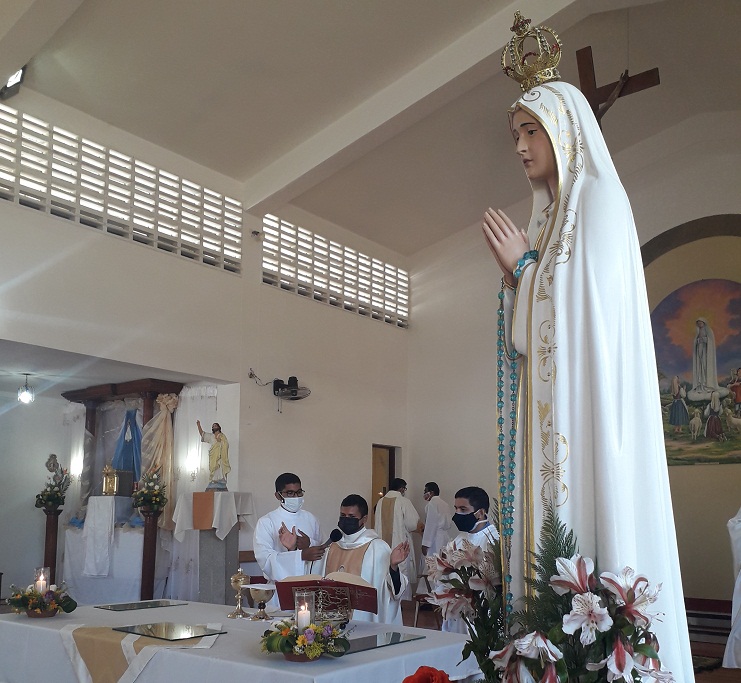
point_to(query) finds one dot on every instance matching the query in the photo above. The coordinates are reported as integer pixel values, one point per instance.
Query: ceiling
(52, 372)
(386, 117)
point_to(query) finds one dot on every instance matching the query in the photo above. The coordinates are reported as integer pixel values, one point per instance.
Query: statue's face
(534, 148)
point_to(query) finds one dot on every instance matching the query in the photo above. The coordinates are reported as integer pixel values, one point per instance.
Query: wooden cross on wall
(602, 98)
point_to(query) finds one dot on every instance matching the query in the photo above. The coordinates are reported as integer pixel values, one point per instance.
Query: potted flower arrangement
(37, 604)
(575, 626)
(305, 644)
(151, 492)
(52, 495)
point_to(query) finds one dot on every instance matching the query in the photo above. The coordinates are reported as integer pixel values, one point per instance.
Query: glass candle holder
(41, 579)
(305, 602)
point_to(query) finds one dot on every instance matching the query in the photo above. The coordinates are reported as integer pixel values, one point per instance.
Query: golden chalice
(261, 593)
(238, 582)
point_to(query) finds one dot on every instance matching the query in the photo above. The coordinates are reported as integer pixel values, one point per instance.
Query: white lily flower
(588, 615)
(536, 646)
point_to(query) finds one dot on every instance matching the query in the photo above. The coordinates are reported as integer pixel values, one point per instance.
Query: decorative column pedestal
(149, 552)
(50, 542)
(217, 561)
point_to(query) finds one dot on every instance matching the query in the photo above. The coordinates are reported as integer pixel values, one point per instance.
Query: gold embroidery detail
(546, 350)
(553, 473)
(551, 115)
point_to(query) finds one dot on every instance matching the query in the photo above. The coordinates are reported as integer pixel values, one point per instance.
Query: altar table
(32, 651)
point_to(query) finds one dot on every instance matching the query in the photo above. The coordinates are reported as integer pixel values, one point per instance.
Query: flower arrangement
(575, 626)
(52, 495)
(151, 491)
(313, 641)
(470, 579)
(31, 600)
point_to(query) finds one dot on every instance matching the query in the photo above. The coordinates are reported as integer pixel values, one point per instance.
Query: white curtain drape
(190, 473)
(73, 421)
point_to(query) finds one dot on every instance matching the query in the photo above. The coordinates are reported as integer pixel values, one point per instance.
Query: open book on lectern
(335, 590)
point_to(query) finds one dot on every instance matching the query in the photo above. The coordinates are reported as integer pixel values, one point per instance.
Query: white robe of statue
(589, 432)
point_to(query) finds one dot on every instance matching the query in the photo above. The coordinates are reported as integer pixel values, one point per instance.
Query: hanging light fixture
(25, 393)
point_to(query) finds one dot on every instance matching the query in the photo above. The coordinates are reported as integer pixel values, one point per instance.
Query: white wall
(73, 288)
(29, 434)
(452, 349)
(356, 369)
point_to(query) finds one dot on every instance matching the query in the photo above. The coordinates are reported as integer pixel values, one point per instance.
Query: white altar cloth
(123, 582)
(27, 646)
(98, 535)
(228, 507)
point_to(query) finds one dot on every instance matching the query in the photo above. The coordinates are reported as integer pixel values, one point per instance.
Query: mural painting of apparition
(697, 334)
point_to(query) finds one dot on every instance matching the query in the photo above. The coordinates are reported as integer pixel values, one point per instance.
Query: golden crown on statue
(531, 68)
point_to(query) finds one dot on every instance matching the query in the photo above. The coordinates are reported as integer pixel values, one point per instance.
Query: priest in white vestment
(589, 433)
(396, 519)
(361, 552)
(289, 536)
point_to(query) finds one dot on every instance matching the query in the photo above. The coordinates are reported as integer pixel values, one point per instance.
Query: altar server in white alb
(438, 520)
(575, 320)
(471, 518)
(396, 519)
(361, 552)
(289, 536)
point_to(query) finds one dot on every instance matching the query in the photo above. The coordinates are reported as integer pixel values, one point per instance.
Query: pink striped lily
(574, 575)
(514, 669)
(619, 663)
(634, 594)
(535, 645)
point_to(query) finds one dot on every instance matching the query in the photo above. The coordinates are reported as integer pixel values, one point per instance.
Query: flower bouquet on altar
(46, 603)
(304, 644)
(574, 627)
(151, 492)
(52, 495)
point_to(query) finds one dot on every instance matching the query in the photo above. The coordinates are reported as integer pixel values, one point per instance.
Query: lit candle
(40, 584)
(303, 618)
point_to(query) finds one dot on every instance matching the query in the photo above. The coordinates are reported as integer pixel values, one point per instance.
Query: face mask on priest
(292, 504)
(349, 525)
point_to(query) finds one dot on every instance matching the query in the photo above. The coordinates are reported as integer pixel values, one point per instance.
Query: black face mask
(465, 522)
(349, 525)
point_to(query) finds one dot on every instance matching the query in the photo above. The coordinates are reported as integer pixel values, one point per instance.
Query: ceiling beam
(460, 66)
